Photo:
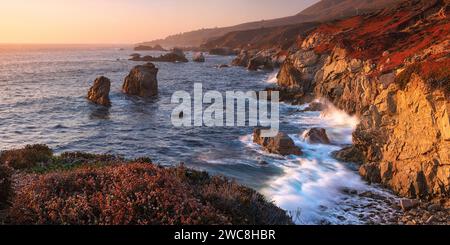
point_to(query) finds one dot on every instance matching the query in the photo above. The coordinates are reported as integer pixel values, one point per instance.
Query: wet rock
(315, 106)
(223, 66)
(317, 136)
(281, 144)
(349, 154)
(157, 47)
(142, 81)
(99, 92)
(260, 62)
(199, 57)
(408, 204)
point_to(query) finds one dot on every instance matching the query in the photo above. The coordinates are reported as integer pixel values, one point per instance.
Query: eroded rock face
(282, 144)
(316, 136)
(142, 81)
(99, 92)
(404, 133)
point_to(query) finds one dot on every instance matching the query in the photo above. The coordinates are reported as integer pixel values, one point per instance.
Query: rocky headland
(391, 69)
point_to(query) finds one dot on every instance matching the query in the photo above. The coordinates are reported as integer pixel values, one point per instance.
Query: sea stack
(99, 92)
(281, 144)
(142, 81)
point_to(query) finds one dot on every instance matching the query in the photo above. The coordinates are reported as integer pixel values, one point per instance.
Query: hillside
(324, 10)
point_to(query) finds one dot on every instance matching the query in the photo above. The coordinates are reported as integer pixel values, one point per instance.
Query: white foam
(273, 77)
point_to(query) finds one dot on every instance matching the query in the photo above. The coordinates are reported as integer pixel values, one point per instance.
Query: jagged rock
(260, 62)
(404, 134)
(316, 136)
(408, 204)
(282, 144)
(371, 172)
(315, 106)
(142, 81)
(243, 58)
(349, 154)
(198, 57)
(99, 92)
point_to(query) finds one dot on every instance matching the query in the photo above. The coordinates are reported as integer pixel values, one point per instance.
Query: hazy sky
(128, 21)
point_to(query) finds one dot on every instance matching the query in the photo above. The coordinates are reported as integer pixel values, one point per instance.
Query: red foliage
(139, 194)
(403, 31)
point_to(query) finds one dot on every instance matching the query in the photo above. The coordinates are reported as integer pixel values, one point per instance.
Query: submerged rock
(142, 81)
(317, 136)
(99, 92)
(281, 144)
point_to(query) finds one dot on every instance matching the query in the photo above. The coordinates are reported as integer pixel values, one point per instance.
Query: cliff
(391, 68)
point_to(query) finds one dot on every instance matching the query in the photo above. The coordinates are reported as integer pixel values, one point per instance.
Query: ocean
(43, 92)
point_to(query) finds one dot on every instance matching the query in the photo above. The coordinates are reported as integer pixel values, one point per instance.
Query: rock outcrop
(395, 78)
(222, 51)
(198, 57)
(142, 81)
(170, 57)
(260, 60)
(157, 47)
(99, 92)
(316, 136)
(281, 144)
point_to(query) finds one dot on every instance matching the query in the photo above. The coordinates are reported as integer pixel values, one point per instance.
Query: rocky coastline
(397, 84)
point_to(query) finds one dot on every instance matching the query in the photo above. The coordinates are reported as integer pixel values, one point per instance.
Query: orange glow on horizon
(130, 21)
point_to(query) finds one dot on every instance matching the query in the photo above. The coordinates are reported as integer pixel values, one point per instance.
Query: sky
(128, 21)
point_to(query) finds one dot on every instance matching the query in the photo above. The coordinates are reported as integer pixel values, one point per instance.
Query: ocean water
(43, 100)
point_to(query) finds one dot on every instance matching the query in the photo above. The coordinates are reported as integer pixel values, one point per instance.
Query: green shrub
(28, 157)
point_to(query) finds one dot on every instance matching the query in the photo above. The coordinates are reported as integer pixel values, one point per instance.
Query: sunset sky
(128, 21)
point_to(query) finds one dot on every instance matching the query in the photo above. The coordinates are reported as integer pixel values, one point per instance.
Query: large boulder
(142, 81)
(198, 57)
(317, 136)
(350, 154)
(99, 92)
(281, 144)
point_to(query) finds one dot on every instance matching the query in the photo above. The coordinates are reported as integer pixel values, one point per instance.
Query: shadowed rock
(142, 81)
(317, 136)
(282, 144)
(349, 154)
(99, 92)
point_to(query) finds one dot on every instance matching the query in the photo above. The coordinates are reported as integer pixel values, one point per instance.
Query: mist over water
(43, 101)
